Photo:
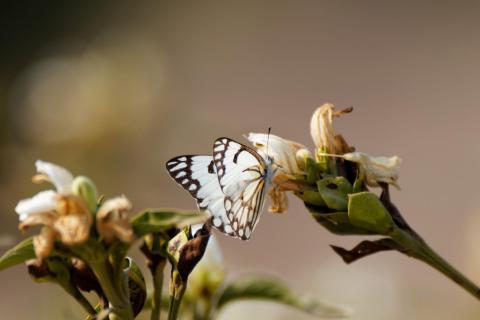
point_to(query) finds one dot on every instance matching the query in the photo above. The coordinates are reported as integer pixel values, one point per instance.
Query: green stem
(157, 275)
(174, 307)
(177, 290)
(417, 248)
(121, 308)
(77, 295)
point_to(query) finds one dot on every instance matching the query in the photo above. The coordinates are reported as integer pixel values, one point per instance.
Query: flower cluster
(67, 212)
(312, 178)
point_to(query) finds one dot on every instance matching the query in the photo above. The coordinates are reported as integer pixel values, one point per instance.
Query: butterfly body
(231, 184)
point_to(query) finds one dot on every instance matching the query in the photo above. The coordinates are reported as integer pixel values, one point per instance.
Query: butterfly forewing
(197, 175)
(241, 174)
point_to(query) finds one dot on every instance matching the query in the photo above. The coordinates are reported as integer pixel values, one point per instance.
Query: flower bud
(303, 157)
(85, 188)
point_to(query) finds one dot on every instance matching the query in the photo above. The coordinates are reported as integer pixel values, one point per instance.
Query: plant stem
(177, 290)
(77, 295)
(121, 308)
(157, 275)
(417, 248)
(174, 306)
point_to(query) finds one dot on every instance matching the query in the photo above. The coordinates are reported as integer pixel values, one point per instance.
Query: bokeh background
(113, 89)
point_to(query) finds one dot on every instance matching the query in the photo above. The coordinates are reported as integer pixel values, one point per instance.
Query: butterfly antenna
(268, 138)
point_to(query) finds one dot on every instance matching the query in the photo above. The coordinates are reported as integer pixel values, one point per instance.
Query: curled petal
(321, 128)
(112, 220)
(281, 150)
(43, 242)
(60, 177)
(42, 202)
(38, 218)
(279, 201)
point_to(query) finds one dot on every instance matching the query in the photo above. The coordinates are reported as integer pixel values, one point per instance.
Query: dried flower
(279, 201)
(321, 129)
(62, 214)
(112, 220)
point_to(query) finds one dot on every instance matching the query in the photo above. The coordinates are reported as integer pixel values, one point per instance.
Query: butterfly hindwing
(197, 175)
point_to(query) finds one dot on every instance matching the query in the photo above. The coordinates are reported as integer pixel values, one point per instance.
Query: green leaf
(156, 220)
(263, 288)
(313, 198)
(20, 253)
(136, 285)
(335, 222)
(335, 190)
(366, 211)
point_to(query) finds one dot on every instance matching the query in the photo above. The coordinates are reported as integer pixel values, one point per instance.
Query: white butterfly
(231, 184)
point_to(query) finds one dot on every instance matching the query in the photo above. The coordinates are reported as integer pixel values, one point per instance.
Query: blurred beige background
(114, 89)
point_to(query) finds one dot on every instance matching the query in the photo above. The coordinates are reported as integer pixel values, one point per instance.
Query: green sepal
(22, 252)
(313, 171)
(270, 289)
(334, 191)
(157, 220)
(85, 188)
(322, 160)
(366, 211)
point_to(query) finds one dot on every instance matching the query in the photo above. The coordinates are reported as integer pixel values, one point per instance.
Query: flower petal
(376, 169)
(281, 150)
(60, 177)
(42, 202)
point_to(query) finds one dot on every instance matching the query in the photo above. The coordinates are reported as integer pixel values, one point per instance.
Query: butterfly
(231, 184)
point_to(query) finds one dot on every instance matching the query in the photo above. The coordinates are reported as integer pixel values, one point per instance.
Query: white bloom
(60, 177)
(45, 201)
(376, 169)
(283, 152)
(41, 202)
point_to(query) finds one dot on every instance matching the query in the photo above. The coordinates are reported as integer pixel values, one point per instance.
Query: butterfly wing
(242, 177)
(197, 175)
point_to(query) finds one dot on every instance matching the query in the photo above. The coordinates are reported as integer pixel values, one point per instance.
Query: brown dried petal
(43, 242)
(279, 201)
(35, 219)
(112, 221)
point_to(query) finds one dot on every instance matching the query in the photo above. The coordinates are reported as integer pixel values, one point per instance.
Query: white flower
(45, 201)
(376, 169)
(284, 152)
